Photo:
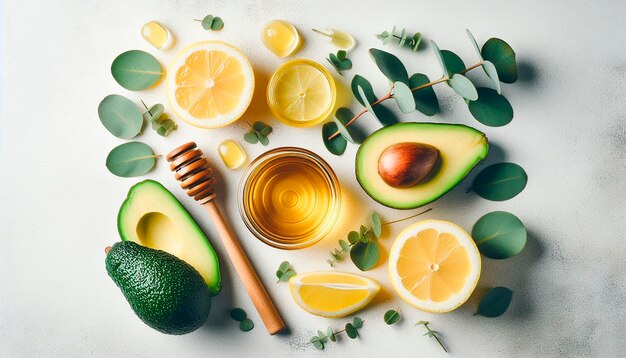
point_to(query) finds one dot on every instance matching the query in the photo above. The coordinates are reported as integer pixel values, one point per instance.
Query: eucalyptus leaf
(258, 126)
(417, 39)
(391, 317)
(120, 116)
(238, 314)
(492, 73)
(317, 344)
(357, 322)
(474, 44)
(499, 182)
(263, 140)
(251, 137)
(156, 111)
(499, 235)
(217, 24)
(207, 21)
(336, 145)
(284, 266)
(131, 159)
(390, 66)
(502, 56)
(246, 324)
(491, 108)
(353, 237)
(351, 331)
(345, 246)
(404, 97)
(439, 57)
(369, 108)
(425, 98)
(365, 255)
(495, 302)
(360, 81)
(322, 337)
(377, 225)
(344, 113)
(136, 70)
(452, 61)
(266, 130)
(341, 54)
(463, 87)
(330, 334)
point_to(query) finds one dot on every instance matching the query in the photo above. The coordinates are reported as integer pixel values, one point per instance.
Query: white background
(59, 202)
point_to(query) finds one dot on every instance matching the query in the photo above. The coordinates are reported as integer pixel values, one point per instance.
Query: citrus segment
(434, 265)
(332, 293)
(210, 84)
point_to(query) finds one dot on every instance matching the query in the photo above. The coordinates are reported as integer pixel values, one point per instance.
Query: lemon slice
(434, 265)
(301, 93)
(210, 84)
(332, 293)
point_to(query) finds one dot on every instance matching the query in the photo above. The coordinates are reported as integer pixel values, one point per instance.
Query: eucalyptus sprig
(362, 245)
(392, 316)
(258, 133)
(487, 105)
(159, 120)
(351, 330)
(339, 61)
(404, 38)
(239, 315)
(211, 22)
(433, 334)
(284, 272)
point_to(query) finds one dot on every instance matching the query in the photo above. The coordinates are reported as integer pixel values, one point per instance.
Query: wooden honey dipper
(194, 172)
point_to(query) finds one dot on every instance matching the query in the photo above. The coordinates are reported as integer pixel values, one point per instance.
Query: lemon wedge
(434, 265)
(210, 84)
(332, 293)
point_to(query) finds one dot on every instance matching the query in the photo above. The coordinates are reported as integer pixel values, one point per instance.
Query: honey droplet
(157, 35)
(280, 37)
(232, 154)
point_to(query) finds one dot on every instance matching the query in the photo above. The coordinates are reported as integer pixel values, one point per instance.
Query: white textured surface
(59, 203)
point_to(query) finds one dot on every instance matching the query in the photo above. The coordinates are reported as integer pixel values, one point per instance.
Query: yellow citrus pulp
(332, 293)
(301, 93)
(210, 84)
(434, 265)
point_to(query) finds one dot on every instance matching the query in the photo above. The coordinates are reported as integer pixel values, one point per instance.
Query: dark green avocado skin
(167, 293)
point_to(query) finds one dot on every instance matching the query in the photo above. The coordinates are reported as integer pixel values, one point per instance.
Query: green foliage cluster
(339, 61)
(159, 120)
(414, 92)
(239, 315)
(210, 22)
(392, 316)
(403, 38)
(258, 133)
(351, 330)
(285, 271)
(432, 334)
(362, 246)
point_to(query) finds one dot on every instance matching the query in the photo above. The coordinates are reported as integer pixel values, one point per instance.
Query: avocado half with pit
(408, 165)
(151, 216)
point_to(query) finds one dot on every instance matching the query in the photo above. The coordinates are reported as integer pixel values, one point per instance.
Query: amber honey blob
(290, 198)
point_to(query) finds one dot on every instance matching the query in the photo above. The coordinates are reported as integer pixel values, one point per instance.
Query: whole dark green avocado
(167, 293)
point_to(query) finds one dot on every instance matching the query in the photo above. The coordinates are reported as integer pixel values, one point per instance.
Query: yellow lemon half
(210, 84)
(434, 265)
(332, 293)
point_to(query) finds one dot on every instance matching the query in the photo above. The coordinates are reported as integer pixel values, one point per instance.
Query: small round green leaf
(453, 62)
(130, 159)
(377, 225)
(217, 24)
(365, 255)
(463, 87)
(353, 237)
(391, 317)
(499, 235)
(120, 116)
(439, 57)
(351, 331)
(492, 73)
(246, 324)
(360, 81)
(495, 302)
(336, 145)
(258, 126)
(251, 137)
(404, 97)
(156, 111)
(284, 266)
(331, 334)
(238, 314)
(499, 182)
(357, 322)
(390, 66)
(502, 56)
(136, 70)
(425, 98)
(263, 139)
(491, 108)
(207, 22)
(345, 246)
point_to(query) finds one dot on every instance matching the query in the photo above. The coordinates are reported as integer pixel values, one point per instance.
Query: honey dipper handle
(256, 291)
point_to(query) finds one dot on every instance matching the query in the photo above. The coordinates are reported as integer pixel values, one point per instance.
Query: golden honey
(290, 198)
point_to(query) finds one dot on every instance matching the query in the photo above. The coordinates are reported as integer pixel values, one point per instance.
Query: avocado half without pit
(408, 165)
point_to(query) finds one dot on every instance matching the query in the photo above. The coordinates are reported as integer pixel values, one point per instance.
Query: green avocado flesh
(167, 293)
(460, 149)
(151, 216)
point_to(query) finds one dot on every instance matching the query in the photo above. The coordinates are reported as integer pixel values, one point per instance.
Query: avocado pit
(403, 165)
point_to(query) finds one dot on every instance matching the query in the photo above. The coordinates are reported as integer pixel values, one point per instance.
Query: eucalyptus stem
(389, 95)
(322, 33)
